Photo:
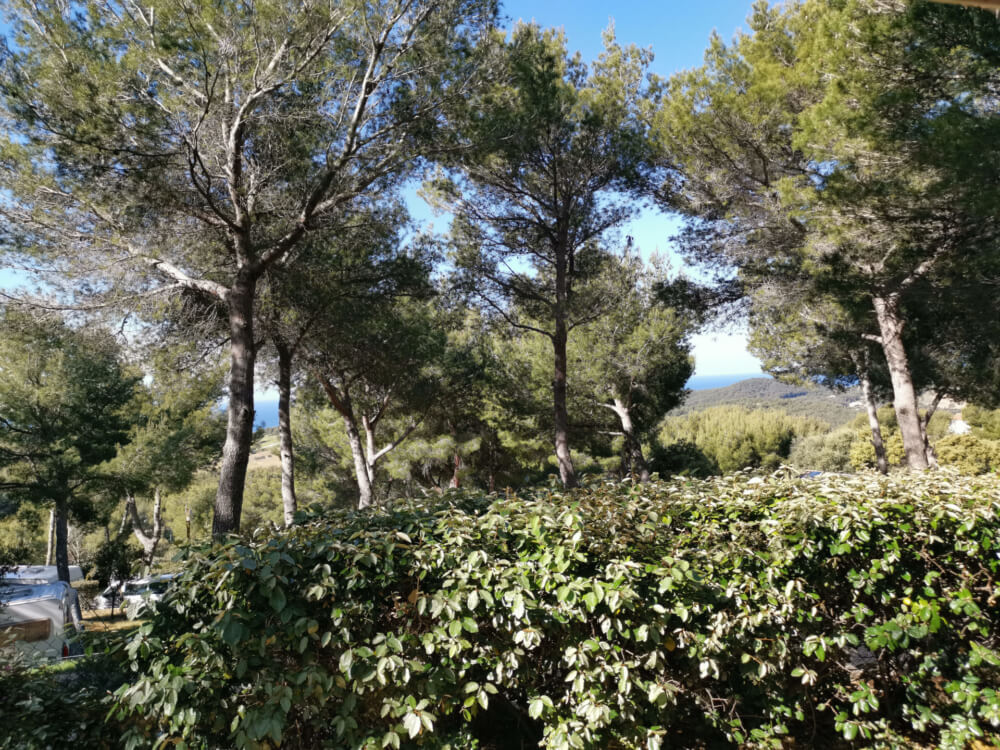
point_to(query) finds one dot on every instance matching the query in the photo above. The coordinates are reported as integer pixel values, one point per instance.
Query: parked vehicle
(145, 592)
(39, 574)
(40, 619)
(122, 594)
(111, 597)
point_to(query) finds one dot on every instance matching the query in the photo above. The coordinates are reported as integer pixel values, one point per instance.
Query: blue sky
(678, 32)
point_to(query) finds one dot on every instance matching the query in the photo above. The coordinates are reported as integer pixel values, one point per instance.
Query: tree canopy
(64, 394)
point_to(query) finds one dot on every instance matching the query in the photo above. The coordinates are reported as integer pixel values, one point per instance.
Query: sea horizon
(266, 409)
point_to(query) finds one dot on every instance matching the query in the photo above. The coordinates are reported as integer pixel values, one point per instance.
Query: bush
(682, 457)
(733, 438)
(829, 452)
(862, 452)
(53, 706)
(739, 611)
(985, 423)
(968, 454)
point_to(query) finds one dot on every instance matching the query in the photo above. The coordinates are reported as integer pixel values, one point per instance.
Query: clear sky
(678, 32)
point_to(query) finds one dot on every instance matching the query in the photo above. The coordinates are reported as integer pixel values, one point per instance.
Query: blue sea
(265, 412)
(267, 409)
(704, 382)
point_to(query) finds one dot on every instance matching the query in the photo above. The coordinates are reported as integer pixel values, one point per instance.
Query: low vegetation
(733, 437)
(748, 610)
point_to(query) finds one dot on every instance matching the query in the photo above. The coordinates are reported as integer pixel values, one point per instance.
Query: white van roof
(19, 593)
(40, 574)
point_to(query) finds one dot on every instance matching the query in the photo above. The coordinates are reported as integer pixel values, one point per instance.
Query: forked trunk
(149, 541)
(288, 499)
(561, 416)
(881, 462)
(890, 323)
(924, 423)
(362, 478)
(239, 428)
(456, 460)
(635, 462)
(342, 403)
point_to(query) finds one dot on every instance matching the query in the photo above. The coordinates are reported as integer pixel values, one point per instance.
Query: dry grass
(264, 460)
(101, 620)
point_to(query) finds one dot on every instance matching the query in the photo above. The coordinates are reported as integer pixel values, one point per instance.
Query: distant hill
(835, 407)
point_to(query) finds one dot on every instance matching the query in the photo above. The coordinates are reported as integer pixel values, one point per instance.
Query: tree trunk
(370, 453)
(288, 499)
(62, 539)
(364, 483)
(455, 481)
(890, 323)
(239, 429)
(187, 520)
(51, 546)
(561, 416)
(881, 462)
(636, 463)
(373, 455)
(148, 541)
(342, 403)
(924, 422)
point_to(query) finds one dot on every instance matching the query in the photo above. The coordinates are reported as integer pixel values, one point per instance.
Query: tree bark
(561, 416)
(148, 541)
(239, 428)
(288, 499)
(881, 462)
(369, 428)
(342, 403)
(925, 420)
(457, 465)
(891, 326)
(636, 462)
(50, 547)
(62, 540)
(364, 482)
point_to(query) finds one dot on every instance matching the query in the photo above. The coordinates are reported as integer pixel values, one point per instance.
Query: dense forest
(201, 201)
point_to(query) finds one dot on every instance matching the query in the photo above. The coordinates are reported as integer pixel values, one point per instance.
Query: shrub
(968, 454)
(862, 452)
(51, 706)
(985, 423)
(733, 438)
(682, 457)
(749, 611)
(827, 452)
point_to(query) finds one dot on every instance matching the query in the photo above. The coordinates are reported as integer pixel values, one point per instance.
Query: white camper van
(39, 619)
(39, 574)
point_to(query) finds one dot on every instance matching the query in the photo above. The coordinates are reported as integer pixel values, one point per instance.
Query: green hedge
(738, 611)
(60, 705)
